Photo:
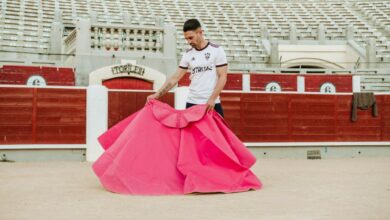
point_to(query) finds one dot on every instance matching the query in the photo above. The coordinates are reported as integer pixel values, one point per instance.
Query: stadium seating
(236, 25)
(239, 26)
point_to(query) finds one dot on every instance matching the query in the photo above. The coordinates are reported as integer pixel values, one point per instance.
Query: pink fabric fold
(176, 118)
(163, 151)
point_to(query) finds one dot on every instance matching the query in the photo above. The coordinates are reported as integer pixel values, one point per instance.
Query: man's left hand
(210, 105)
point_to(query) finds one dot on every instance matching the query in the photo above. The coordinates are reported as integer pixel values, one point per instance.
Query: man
(208, 65)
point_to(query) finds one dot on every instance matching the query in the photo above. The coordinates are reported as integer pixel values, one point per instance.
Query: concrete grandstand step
(366, 88)
(378, 79)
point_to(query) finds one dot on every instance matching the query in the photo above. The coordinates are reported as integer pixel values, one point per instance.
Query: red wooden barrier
(128, 83)
(42, 116)
(313, 82)
(57, 116)
(60, 116)
(287, 82)
(54, 76)
(234, 81)
(185, 80)
(303, 118)
(16, 115)
(122, 104)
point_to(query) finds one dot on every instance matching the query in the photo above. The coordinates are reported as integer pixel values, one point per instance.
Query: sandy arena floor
(357, 188)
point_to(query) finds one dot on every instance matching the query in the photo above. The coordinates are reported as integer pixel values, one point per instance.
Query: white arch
(326, 64)
(121, 70)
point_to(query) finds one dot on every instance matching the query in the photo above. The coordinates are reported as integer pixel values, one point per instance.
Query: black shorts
(217, 107)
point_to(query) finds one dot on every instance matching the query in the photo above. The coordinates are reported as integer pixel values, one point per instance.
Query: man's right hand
(150, 97)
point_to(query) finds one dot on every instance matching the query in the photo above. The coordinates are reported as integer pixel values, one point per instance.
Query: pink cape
(159, 150)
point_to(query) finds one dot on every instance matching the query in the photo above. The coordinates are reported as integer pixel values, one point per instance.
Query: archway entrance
(306, 67)
(127, 75)
(128, 83)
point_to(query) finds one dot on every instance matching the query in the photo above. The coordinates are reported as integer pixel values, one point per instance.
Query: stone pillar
(181, 94)
(159, 21)
(56, 33)
(93, 17)
(371, 53)
(169, 41)
(293, 34)
(83, 37)
(321, 34)
(264, 32)
(274, 56)
(355, 83)
(301, 84)
(350, 32)
(97, 119)
(83, 51)
(58, 15)
(126, 18)
(246, 84)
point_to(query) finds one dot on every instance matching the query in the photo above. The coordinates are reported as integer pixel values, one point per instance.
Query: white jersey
(203, 65)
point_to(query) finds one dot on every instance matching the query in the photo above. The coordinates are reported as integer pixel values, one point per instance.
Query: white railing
(127, 38)
(105, 37)
(70, 42)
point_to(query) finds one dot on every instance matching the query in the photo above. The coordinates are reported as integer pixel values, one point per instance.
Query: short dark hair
(191, 25)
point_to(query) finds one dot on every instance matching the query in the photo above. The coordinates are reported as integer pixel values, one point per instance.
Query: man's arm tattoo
(164, 90)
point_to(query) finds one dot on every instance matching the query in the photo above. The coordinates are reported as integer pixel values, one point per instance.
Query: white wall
(326, 56)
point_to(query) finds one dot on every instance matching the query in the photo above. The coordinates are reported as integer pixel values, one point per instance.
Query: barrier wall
(42, 115)
(122, 104)
(265, 117)
(342, 83)
(128, 83)
(58, 115)
(234, 81)
(287, 82)
(52, 76)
